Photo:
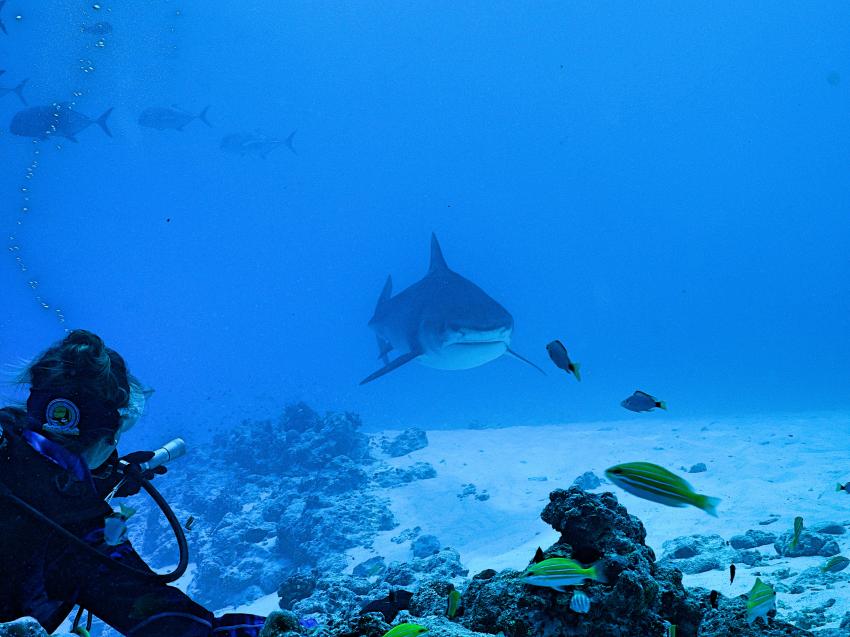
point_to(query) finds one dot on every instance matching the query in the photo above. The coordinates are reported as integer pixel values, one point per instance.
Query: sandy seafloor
(758, 466)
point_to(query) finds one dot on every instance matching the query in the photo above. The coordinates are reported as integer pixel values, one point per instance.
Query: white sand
(758, 466)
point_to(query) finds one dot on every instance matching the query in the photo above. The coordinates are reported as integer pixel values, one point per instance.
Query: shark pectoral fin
(386, 369)
(525, 360)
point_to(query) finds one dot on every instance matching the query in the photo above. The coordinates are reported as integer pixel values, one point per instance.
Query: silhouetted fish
(538, 556)
(641, 401)
(255, 144)
(17, 90)
(390, 606)
(59, 118)
(170, 118)
(712, 599)
(558, 354)
(731, 573)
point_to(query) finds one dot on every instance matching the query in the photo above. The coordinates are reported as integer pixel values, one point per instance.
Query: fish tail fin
(203, 117)
(19, 91)
(708, 504)
(574, 368)
(661, 404)
(289, 142)
(3, 26)
(838, 486)
(101, 121)
(597, 572)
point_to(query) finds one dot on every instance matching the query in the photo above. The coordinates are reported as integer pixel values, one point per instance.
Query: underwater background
(661, 186)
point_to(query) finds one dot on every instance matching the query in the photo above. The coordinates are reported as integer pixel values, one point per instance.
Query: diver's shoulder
(12, 416)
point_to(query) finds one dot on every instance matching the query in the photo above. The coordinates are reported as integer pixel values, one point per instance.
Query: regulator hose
(180, 536)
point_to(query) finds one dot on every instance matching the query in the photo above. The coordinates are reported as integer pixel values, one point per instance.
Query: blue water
(662, 187)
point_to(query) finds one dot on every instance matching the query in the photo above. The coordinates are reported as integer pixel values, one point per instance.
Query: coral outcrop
(273, 498)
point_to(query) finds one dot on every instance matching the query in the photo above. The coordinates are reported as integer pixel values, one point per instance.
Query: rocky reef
(277, 497)
(641, 596)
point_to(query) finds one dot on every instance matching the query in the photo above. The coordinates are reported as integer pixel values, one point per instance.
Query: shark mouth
(466, 349)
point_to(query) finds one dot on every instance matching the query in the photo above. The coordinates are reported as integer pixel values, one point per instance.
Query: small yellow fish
(798, 528)
(454, 603)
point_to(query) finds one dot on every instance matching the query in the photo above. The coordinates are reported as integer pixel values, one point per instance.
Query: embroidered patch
(63, 416)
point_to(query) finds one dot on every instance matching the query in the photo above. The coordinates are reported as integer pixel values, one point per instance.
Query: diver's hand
(131, 484)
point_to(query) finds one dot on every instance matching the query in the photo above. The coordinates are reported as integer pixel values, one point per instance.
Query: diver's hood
(136, 404)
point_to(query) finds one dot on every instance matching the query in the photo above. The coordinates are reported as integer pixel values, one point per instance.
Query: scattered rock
(425, 545)
(407, 535)
(406, 442)
(811, 543)
(830, 528)
(698, 553)
(26, 627)
(467, 490)
(396, 476)
(587, 481)
(698, 468)
(751, 539)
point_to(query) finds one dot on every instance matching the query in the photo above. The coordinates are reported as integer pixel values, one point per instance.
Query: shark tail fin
(289, 142)
(437, 260)
(575, 369)
(101, 121)
(203, 116)
(19, 91)
(525, 360)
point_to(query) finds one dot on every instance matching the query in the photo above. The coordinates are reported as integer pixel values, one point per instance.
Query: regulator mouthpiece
(165, 454)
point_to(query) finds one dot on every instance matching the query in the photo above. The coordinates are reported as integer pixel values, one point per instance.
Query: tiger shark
(443, 321)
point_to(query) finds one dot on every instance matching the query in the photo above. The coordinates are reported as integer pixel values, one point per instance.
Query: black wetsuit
(43, 575)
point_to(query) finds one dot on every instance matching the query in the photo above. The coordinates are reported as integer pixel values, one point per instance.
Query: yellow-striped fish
(453, 603)
(835, 564)
(654, 483)
(406, 630)
(760, 600)
(798, 528)
(558, 572)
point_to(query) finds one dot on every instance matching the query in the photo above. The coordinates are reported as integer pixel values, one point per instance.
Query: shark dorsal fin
(386, 293)
(437, 261)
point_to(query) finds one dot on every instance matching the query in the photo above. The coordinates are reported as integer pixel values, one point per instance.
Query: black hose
(176, 528)
(166, 578)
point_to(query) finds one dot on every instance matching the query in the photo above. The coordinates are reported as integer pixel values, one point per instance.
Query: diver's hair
(81, 365)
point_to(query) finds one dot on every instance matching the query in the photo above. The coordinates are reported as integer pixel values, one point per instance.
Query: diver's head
(82, 396)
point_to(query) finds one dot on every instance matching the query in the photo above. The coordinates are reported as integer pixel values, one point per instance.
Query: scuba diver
(58, 468)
